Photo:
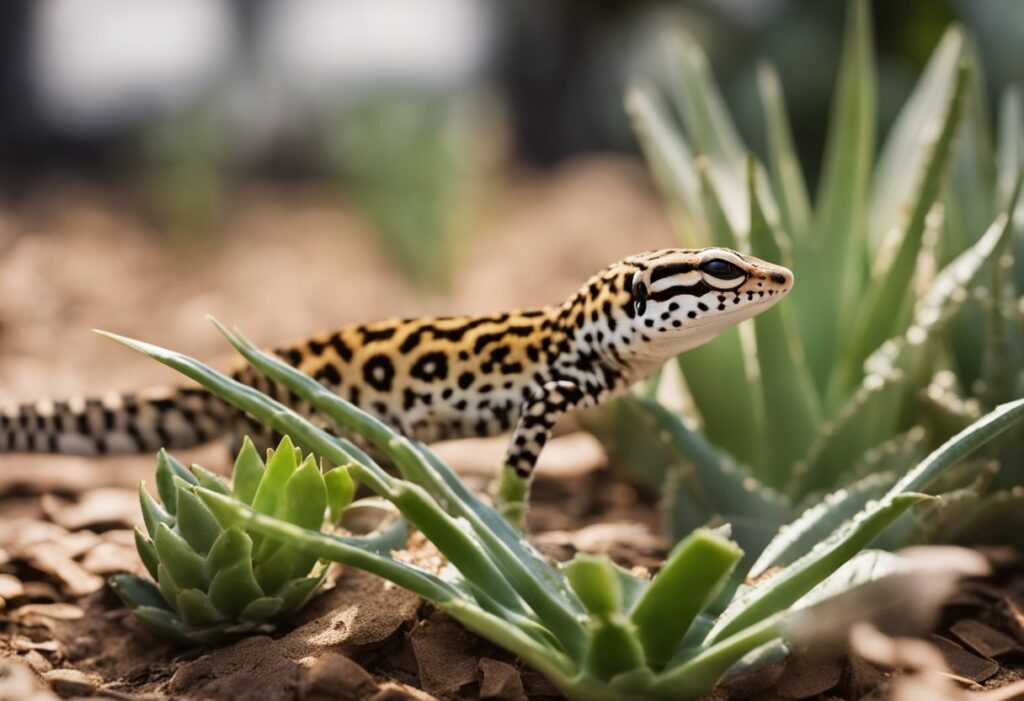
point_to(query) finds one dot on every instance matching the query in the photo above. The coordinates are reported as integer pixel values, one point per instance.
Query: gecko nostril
(778, 278)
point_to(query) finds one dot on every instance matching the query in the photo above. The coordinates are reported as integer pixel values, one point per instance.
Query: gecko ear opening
(639, 297)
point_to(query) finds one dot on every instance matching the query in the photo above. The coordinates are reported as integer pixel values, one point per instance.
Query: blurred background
(293, 164)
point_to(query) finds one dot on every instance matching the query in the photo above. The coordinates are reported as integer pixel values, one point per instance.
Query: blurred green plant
(596, 631)
(183, 163)
(858, 373)
(416, 166)
(214, 581)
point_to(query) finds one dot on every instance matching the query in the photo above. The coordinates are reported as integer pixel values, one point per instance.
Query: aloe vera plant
(903, 325)
(213, 581)
(596, 631)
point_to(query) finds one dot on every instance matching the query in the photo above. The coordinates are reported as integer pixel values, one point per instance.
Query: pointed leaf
(167, 468)
(233, 588)
(195, 522)
(232, 546)
(280, 467)
(163, 623)
(136, 591)
(784, 164)
(305, 497)
(152, 513)
(884, 301)
(690, 578)
(187, 569)
(247, 473)
(906, 150)
(210, 480)
(671, 162)
(147, 552)
(819, 521)
(831, 271)
(340, 490)
(594, 580)
(792, 407)
(260, 610)
(297, 592)
(196, 609)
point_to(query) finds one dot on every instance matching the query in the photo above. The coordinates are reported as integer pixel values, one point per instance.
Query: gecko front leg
(538, 417)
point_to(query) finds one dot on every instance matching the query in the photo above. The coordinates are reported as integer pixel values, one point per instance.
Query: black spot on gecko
(430, 367)
(379, 372)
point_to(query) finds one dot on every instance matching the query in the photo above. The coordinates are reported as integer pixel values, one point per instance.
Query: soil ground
(291, 261)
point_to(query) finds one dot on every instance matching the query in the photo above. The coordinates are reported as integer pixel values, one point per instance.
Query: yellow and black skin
(451, 377)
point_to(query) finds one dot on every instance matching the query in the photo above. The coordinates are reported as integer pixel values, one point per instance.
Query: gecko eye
(640, 298)
(639, 291)
(722, 269)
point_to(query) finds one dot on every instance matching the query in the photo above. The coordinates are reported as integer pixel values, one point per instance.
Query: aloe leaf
(671, 161)
(247, 473)
(791, 403)
(971, 200)
(690, 578)
(233, 546)
(786, 175)
(233, 587)
(906, 150)
(895, 455)
(1010, 154)
(167, 468)
(800, 577)
(790, 584)
(720, 368)
(147, 553)
(595, 581)
(197, 611)
(284, 564)
(152, 513)
(711, 479)
(832, 270)
(164, 623)
(195, 522)
(209, 480)
(305, 496)
(280, 467)
(340, 490)
(136, 591)
(612, 648)
(818, 522)
(186, 568)
(297, 592)
(883, 304)
(259, 610)
(168, 589)
(861, 423)
(709, 125)
(701, 673)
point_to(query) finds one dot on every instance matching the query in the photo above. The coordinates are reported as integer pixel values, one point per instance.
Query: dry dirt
(292, 261)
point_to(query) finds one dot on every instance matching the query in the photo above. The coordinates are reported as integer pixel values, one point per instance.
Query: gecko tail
(142, 422)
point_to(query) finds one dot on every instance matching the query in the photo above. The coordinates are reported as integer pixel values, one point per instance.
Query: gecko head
(683, 298)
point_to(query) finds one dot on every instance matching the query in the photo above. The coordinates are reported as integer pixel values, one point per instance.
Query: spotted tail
(115, 424)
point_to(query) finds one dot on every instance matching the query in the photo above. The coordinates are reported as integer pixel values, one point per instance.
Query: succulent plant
(213, 581)
(595, 630)
(903, 327)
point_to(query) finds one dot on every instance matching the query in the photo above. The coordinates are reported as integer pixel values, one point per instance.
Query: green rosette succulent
(212, 581)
